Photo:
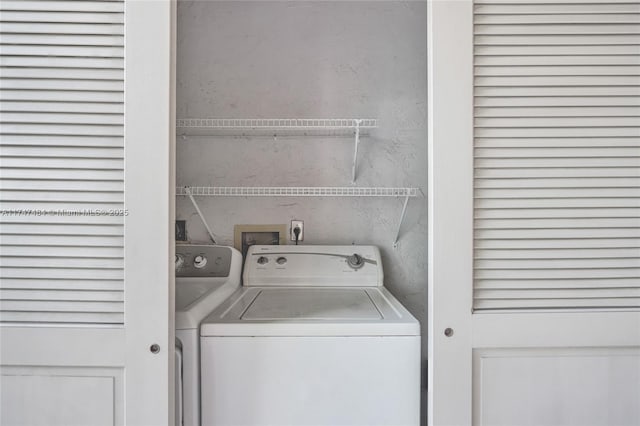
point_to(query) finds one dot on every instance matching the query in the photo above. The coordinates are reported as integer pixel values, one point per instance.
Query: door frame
(150, 202)
(450, 210)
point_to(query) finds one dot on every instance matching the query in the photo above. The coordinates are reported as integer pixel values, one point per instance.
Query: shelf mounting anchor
(404, 211)
(355, 150)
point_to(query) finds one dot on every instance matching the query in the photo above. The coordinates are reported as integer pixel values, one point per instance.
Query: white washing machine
(311, 338)
(205, 276)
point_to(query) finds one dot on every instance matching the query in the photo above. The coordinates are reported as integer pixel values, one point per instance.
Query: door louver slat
(61, 162)
(556, 154)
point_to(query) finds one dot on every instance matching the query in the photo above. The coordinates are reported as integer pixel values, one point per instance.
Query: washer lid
(197, 297)
(310, 304)
(189, 291)
(310, 311)
(200, 290)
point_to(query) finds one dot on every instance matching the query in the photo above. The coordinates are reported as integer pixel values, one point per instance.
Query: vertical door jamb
(149, 199)
(450, 200)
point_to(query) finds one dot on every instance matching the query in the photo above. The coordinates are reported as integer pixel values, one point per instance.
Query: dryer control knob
(199, 261)
(281, 260)
(355, 261)
(262, 260)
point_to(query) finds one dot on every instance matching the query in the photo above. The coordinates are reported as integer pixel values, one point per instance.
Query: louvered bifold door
(61, 164)
(557, 154)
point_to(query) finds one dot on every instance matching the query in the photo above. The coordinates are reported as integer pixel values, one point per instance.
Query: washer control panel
(313, 266)
(202, 260)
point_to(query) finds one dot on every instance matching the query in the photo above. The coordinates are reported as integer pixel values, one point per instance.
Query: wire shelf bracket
(305, 191)
(402, 215)
(204, 221)
(355, 151)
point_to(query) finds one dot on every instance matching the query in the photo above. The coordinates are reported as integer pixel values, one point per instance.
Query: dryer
(205, 276)
(311, 338)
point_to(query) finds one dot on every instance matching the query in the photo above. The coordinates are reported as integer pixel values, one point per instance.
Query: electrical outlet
(181, 230)
(297, 224)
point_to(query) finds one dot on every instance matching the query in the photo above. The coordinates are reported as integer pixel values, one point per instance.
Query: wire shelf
(276, 123)
(275, 127)
(303, 191)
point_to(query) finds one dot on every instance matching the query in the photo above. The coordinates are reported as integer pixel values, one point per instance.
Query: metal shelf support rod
(404, 211)
(355, 150)
(206, 225)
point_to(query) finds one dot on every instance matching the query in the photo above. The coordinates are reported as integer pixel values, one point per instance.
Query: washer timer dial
(355, 261)
(200, 261)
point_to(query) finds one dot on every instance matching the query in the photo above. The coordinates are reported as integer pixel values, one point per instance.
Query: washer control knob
(179, 262)
(199, 261)
(281, 260)
(262, 260)
(355, 261)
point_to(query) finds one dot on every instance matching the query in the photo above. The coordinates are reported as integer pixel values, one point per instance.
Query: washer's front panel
(331, 381)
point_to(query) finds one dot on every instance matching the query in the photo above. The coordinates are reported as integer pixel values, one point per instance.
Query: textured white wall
(302, 59)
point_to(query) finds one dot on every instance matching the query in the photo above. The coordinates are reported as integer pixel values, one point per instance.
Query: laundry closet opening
(306, 111)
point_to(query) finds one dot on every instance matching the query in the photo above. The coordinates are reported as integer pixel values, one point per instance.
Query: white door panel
(533, 197)
(62, 396)
(542, 386)
(86, 154)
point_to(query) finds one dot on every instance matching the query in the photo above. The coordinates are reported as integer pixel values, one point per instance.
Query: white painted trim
(149, 198)
(450, 88)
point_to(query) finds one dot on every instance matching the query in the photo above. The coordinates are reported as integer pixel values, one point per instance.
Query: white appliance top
(273, 303)
(205, 276)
